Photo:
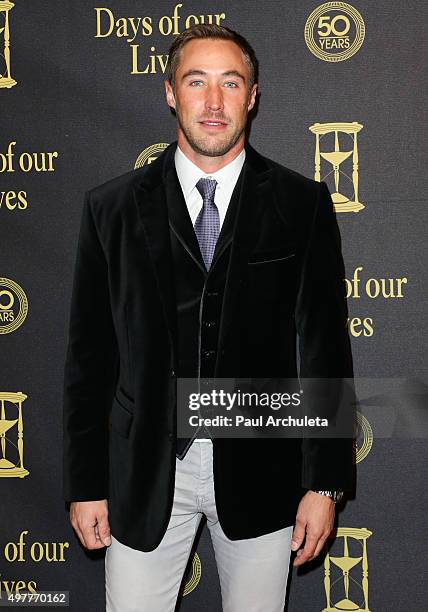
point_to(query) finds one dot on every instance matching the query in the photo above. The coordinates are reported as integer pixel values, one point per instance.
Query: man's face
(212, 97)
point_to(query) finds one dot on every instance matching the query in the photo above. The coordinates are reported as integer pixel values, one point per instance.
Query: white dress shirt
(189, 174)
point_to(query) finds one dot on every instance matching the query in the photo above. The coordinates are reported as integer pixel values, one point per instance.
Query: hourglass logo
(334, 31)
(13, 306)
(12, 435)
(336, 143)
(346, 579)
(150, 154)
(6, 79)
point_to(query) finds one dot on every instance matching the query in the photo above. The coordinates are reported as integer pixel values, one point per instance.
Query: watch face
(337, 495)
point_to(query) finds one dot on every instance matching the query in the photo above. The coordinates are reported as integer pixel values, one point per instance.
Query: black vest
(199, 294)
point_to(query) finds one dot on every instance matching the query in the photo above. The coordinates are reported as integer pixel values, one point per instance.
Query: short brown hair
(198, 31)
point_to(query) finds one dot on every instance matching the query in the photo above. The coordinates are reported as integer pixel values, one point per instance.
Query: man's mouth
(214, 124)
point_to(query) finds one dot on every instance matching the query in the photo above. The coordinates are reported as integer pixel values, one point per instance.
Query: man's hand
(315, 515)
(89, 519)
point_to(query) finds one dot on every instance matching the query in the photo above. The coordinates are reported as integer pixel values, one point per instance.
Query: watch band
(334, 495)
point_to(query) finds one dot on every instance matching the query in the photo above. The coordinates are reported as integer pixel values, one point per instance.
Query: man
(204, 263)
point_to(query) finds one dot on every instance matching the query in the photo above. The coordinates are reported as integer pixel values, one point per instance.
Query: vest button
(208, 323)
(208, 353)
(211, 293)
(172, 373)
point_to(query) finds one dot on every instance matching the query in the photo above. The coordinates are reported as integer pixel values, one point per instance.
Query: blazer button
(173, 373)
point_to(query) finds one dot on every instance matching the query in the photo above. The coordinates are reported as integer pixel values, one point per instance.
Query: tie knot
(206, 188)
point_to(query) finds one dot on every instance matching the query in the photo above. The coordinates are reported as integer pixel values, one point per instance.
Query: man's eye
(232, 83)
(193, 82)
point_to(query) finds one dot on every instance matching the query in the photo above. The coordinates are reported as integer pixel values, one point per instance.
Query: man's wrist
(334, 495)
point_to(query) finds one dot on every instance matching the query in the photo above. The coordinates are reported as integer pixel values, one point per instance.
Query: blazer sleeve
(90, 370)
(325, 352)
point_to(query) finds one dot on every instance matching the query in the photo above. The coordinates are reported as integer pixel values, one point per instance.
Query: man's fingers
(315, 514)
(80, 535)
(89, 520)
(313, 547)
(306, 553)
(298, 535)
(103, 529)
(90, 537)
(320, 546)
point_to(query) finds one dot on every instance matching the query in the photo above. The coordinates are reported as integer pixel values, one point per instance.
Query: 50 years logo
(334, 31)
(13, 305)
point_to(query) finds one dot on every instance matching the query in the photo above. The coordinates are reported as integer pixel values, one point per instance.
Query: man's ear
(170, 98)
(252, 96)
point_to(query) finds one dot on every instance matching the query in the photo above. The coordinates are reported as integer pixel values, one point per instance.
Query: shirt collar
(189, 173)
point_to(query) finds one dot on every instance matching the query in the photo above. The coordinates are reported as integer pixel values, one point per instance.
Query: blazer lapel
(150, 200)
(179, 218)
(256, 192)
(227, 229)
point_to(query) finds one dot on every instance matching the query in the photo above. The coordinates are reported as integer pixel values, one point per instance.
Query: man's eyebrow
(195, 71)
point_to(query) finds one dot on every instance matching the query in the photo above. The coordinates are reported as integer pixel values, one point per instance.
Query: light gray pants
(253, 573)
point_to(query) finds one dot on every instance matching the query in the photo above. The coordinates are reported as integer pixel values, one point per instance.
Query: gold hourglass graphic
(5, 77)
(336, 158)
(341, 586)
(11, 454)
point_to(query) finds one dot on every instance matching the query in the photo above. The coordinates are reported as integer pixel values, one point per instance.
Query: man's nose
(214, 99)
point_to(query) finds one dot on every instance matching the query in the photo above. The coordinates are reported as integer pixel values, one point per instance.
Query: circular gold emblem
(195, 577)
(334, 31)
(150, 154)
(13, 305)
(366, 433)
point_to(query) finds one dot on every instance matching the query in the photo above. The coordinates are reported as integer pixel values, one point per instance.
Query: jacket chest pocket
(268, 256)
(269, 272)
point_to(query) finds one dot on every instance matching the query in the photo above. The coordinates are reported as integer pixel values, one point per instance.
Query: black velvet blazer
(284, 286)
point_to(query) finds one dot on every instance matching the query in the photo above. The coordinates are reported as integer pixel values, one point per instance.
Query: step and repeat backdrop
(342, 99)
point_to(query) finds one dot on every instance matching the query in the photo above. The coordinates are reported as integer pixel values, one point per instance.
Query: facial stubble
(205, 145)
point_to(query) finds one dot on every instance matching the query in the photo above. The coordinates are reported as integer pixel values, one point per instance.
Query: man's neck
(209, 164)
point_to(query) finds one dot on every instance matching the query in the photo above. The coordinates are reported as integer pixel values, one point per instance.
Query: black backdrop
(75, 97)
